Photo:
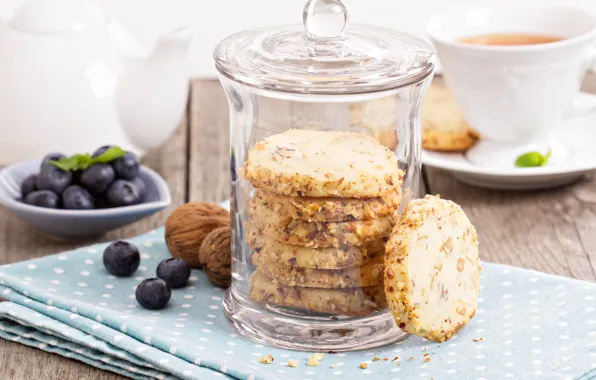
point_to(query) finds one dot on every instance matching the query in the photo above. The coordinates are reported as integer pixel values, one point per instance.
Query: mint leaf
(108, 156)
(71, 163)
(532, 159)
(83, 161)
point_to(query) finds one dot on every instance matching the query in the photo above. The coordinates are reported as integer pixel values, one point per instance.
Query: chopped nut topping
(266, 359)
(293, 363)
(363, 365)
(461, 310)
(460, 264)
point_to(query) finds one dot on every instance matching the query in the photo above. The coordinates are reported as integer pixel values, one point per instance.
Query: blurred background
(211, 20)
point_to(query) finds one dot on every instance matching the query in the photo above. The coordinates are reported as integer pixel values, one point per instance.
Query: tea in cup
(514, 73)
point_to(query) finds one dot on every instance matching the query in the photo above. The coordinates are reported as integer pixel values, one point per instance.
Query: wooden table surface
(550, 231)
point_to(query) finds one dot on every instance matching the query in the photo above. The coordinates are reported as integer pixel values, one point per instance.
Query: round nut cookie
(282, 227)
(330, 209)
(304, 257)
(432, 270)
(443, 125)
(370, 274)
(309, 163)
(351, 302)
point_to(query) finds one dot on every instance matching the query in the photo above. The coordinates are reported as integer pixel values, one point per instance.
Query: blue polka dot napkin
(528, 326)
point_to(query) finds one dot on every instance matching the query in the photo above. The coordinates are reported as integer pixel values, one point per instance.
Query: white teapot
(72, 80)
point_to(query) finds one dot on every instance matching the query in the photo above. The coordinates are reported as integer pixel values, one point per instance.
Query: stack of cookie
(324, 205)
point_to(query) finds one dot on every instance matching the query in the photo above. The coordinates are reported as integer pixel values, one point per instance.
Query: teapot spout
(152, 92)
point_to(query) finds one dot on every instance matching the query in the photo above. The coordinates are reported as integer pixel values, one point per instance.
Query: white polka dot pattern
(527, 325)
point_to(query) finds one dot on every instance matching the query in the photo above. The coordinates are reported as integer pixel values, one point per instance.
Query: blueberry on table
(141, 187)
(43, 198)
(122, 193)
(28, 185)
(127, 166)
(75, 197)
(97, 178)
(175, 272)
(153, 294)
(101, 150)
(53, 178)
(51, 157)
(121, 258)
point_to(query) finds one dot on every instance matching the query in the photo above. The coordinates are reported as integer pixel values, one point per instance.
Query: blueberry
(101, 150)
(175, 272)
(97, 178)
(127, 166)
(141, 187)
(28, 185)
(153, 293)
(43, 198)
(122, 193)
(51, 157)
(121, 258)
(53, 178)
(76, 197)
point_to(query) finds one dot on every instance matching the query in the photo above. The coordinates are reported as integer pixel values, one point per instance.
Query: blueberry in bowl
(97, 177)
(65, 197)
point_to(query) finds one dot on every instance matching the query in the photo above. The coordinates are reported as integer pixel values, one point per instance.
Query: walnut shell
(216, 256)
(187, 227)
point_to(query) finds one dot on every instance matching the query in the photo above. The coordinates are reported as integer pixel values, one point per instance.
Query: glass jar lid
(324, 56)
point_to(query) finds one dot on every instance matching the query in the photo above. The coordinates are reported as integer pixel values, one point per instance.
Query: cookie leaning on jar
(324, 205)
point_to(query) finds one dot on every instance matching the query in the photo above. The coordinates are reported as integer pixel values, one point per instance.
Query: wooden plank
(20, 242)
(550, 231)
(209, 161)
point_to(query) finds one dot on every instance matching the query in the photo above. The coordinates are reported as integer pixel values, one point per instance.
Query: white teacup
(514, 95)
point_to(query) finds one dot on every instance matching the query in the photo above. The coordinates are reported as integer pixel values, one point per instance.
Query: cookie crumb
(319, 356)
(293, 363)
(478, 339)
(375, 359)
(426, 358)
(312, 361)
(385, 359)
(411, 358)
(363, 365)
(266, 359)
(394, 359)
(334, 365)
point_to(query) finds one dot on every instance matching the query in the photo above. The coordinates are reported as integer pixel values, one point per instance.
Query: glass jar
(325, 153)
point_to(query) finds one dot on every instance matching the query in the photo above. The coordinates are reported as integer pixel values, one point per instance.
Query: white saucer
(577, 136)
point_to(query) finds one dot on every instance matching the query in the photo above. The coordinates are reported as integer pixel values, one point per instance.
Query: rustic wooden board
(19, 242)
(550, 231)
(209, 162)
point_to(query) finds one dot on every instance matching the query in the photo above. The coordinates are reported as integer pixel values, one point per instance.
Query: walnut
(216, 256)
(187, 227)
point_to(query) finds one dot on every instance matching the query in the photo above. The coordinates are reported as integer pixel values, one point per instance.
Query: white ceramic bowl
(78, 223)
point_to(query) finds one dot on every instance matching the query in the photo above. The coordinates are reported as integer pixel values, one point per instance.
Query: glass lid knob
(325, 19)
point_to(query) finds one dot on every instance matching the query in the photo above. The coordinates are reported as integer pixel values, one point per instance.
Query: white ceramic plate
(577, 136)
